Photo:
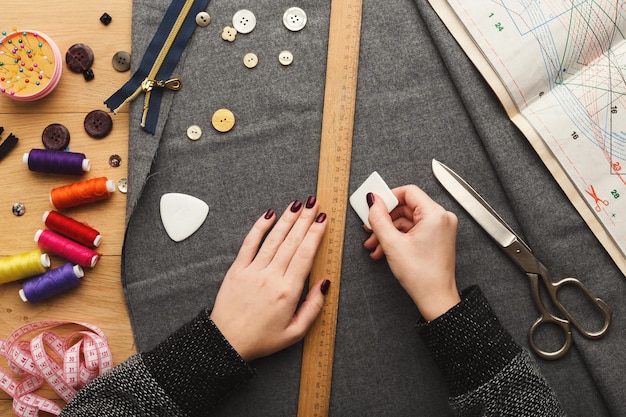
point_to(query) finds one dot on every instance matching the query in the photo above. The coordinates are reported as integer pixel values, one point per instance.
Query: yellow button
(250, 60)
(223, 120)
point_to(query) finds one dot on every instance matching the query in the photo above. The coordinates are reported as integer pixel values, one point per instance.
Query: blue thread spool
(56, 162)
(51, 283)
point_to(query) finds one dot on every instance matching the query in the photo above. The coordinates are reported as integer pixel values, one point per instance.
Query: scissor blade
(474, 204)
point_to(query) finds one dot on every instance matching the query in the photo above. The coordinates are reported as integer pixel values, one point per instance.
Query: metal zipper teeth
(171, 37)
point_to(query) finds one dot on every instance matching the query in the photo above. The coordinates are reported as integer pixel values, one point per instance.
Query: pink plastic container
(30, 65)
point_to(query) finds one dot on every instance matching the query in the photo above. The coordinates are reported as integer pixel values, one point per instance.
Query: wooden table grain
(99, 299)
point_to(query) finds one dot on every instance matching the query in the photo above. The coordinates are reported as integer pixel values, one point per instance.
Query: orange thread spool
(82, 192)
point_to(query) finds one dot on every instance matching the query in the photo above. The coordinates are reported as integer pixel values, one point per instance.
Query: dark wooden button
(55, 136)
(79, 57)
(98, 124)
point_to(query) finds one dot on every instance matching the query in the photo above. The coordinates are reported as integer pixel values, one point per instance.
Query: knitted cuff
(196, 366)
(468, 343)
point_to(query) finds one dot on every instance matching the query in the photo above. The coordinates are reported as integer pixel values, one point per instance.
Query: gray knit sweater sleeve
(488, 374)
(188, 374)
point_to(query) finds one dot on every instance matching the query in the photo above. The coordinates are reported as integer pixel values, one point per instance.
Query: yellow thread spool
(24, 265)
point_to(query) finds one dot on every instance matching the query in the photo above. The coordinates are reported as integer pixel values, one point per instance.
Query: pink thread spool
(31, 65)
(66, 248)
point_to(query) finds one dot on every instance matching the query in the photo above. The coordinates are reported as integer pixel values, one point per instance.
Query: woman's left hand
(256, 308)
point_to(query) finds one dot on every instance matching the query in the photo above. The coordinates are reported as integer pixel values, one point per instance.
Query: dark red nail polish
(296, 206)
(321, 218)
(269, 213)
(324, 287)
(310, 202)
(370, 199)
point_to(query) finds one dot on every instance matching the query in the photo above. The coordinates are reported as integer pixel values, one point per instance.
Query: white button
(250, 60)
(285, 58)
(194, 132)
(244, 21)
(294, 19)
(203, 19)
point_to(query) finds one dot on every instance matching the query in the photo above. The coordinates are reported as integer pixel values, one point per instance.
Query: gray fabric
(419, 98)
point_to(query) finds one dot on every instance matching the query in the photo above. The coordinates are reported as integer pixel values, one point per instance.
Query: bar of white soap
(182, 215)
(373, 184)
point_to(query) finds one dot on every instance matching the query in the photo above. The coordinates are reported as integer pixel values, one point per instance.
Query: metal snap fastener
(115, 161)
(19, 209)
(294, 19)
(122, 185)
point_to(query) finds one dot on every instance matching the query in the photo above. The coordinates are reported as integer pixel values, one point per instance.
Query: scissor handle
(602, 307)
(547, 318)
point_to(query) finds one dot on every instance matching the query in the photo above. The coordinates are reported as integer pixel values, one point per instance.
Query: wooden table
(99, 299)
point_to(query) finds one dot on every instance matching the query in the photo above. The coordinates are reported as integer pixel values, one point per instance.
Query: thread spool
(51, 283)
(72, 229)
(30, 65)
(66, 248)
(24, 265)
(82, 192)
(56, 162)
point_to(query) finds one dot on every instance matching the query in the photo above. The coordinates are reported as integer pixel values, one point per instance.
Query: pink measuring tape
(85, 354)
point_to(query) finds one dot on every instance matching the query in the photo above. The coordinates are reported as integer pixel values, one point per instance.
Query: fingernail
(296, 206)
(320, 218)
(310, 202)
(324, 287)
(370, 199)
(268, 214)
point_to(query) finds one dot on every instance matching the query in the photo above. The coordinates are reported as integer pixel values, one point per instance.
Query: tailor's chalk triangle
(182, 215)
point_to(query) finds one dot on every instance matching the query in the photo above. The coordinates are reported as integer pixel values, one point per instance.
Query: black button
(98, 124)
(88, 74)
(79, 57)
(106, 19)
(55, 136)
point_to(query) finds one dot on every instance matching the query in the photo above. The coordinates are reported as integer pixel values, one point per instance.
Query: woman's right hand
(418, 240)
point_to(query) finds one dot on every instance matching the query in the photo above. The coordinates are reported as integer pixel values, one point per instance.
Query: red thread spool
(82, 192)
(66, 248)
(73, 229)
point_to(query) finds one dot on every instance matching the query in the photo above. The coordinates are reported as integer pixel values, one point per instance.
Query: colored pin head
(30, 65)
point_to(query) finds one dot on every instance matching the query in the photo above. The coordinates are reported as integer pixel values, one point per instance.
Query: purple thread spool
(56, 162)
(51, 283)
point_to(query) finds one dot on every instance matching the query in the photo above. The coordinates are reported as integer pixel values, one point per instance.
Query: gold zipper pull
(173, 84)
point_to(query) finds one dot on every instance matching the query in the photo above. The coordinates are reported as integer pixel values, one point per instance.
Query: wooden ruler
(332, 193)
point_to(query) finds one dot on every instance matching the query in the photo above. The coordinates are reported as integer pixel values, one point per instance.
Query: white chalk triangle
(182, 215)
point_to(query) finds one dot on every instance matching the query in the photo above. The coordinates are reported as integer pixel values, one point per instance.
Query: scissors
(522, 256)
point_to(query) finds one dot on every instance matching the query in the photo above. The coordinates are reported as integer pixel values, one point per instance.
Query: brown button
(98, 124)
(121, 61)
(79, 57)
(55, 136)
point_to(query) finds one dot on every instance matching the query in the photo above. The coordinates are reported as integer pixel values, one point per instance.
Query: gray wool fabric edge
(419, 98)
